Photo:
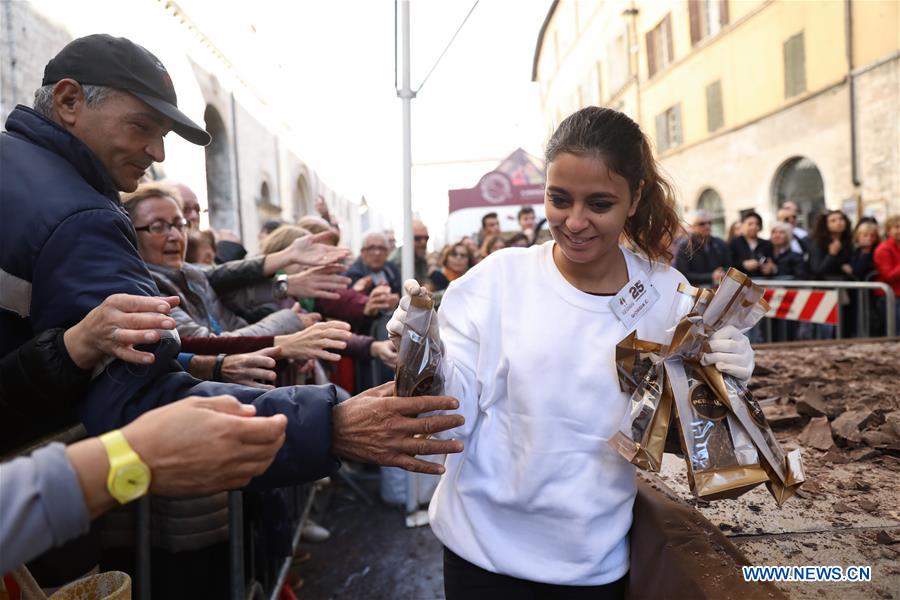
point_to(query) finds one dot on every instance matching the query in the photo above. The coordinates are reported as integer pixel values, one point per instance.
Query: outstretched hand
(312, 251)
(378, 427)
(121, 322)
(317, 282)
(199, 446)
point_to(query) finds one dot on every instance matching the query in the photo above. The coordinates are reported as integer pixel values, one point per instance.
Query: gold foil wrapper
(728, 446)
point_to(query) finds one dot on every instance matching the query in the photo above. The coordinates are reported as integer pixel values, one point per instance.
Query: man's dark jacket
(697, 259)
(358, 270)
(65, 245)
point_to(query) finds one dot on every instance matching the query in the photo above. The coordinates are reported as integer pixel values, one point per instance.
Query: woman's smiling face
(587, 205)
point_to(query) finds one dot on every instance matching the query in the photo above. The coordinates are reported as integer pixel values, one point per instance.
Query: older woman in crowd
(788, 264)
(865, 240)
(156, 214)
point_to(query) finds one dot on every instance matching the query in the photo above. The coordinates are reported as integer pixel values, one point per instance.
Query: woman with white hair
(788, 264)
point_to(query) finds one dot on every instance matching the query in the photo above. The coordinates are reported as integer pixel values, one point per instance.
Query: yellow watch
(129, 477)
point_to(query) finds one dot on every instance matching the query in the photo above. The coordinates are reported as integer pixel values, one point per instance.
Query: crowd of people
(169, 365)
(196, 368)
(833, 250)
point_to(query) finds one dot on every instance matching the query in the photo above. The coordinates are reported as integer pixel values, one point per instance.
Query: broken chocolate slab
(817, 434)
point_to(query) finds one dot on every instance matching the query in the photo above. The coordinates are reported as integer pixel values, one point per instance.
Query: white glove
(398, 319)
(730, 352)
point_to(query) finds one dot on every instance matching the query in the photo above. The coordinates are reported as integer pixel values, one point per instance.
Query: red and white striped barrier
(812, 306)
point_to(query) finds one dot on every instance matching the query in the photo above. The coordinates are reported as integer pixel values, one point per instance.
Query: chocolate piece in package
(785, 470)
(721, 459)
(419, 356)
(642, 439)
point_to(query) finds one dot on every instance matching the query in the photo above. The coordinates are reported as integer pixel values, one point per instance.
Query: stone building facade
(251, 171)
(749, 103)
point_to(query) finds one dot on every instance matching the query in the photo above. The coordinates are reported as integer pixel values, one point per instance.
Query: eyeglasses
(162, 228)
(702, 223)
(420, 238)
(459, 255)
(375, 249)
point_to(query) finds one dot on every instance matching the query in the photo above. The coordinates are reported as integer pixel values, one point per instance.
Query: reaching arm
(92, 255)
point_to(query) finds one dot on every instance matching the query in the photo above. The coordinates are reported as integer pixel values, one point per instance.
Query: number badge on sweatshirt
(634, 301)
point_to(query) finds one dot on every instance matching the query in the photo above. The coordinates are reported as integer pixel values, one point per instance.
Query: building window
(659, 46)
(707, 18)
(794, 66)
(668, 128)
(715, 117)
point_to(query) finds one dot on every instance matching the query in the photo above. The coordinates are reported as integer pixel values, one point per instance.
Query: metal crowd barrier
(863, 316)
(252, 573)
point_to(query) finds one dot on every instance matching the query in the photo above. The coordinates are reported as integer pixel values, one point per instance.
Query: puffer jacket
(201, 313)
(66, 244)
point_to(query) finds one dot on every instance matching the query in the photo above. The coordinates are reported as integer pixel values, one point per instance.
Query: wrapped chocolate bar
(785, 471)
(728, 446)
(721, 459)
(419, 355)
(644, 433)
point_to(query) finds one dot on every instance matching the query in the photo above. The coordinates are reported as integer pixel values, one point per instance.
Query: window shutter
(800, 62)
(662, 132)
(794, 66)
(651, 53)
(670, 53)
(694, 10)
(676, 125)
(714, 111)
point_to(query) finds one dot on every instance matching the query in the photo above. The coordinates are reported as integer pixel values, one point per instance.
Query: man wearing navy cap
(98, 123)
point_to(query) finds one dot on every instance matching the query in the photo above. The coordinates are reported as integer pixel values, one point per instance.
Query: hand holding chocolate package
(420, 352)
(728, 446)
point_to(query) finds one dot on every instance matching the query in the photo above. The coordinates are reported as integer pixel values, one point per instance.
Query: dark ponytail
(608, 134)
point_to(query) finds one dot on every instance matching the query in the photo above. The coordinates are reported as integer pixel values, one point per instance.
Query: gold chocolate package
(644, 435)
(721, 459)
(727, 444)
(419, 356)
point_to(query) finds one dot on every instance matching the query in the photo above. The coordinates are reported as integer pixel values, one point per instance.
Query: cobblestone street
(371, 553)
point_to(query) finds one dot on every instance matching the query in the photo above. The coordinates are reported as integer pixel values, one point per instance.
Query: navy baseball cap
(104, 60)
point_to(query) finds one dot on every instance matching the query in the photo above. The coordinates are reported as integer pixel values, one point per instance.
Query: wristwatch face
(130, 482)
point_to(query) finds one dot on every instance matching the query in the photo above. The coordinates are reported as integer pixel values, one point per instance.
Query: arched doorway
(799, 179)
(266, 209)
(222, 213)
(710, 202)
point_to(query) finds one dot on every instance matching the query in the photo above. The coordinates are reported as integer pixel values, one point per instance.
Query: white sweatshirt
(537, 493)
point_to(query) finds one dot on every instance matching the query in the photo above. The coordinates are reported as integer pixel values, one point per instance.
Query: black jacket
(358, 270)
(823, 265)
(740, 251)
(39, 388)
(697, 260)
(790, 266)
